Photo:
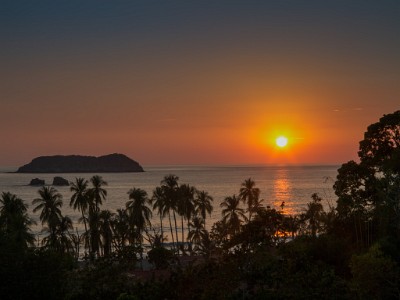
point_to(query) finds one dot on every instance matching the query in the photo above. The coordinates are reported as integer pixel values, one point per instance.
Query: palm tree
(11, 205)
(314, 214)
(139, 214)
(249, 194)
(19, 231)
(58, 239)
(232, 214)
(106, 219)
(14, 221)
(93, 235)
(257, 206)
(80, 198)
(63, 234)
(170, 188)
(158, 201)
(198, 231)
(138, 211)
(203, 204)
(185, 205)
(205, 246)
(120, 229)
(76, 241)
(50, 203)
(97, 193)
(170, 181)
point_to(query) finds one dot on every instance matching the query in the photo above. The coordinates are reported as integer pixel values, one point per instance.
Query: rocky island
(112, 163)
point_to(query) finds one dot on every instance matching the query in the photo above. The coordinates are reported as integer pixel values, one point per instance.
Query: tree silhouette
(198, 231)
(105, 226)
(94, 235)
(185, 205)
(159, 204)
(139, 213)
(313, 214)
(80, 199)
(232, 214)
(380, 148)
(50, 203)
(354, 203)
(170, 188)
(60, 240)
(11, 205)
(369, 191)
(14, 221)
(249, 194)
(120, 227)
(97, 193)
(203, 205)
(256, 206)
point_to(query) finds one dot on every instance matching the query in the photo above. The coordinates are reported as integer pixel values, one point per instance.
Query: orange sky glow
(197, 83)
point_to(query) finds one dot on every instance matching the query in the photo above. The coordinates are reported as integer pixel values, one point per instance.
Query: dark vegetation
(350, 251)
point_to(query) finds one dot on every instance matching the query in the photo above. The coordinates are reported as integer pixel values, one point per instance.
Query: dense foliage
(350, 251)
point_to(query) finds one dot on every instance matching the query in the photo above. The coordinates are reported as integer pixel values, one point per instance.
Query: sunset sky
(196, 82)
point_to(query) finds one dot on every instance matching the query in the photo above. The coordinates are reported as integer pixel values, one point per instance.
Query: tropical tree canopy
(380, 147)
(249, 194)
(97, 193)
(79, 198)
(50, 203)
(14, 220)
(138, 211)
(10, 204)
(233, 215)
(369, 191)
(203, 204)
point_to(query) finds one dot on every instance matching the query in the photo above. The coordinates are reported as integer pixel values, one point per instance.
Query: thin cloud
(347, 109)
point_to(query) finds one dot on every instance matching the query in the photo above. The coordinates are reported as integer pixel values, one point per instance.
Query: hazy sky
(196, 82)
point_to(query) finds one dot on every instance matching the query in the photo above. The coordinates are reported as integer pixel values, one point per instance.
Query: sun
(281, 141)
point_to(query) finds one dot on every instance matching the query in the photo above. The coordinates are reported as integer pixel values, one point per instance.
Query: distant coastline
(166, 167)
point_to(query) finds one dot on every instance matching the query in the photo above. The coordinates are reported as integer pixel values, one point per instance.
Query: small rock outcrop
(112, 163)
(59, 181)
(37, 181)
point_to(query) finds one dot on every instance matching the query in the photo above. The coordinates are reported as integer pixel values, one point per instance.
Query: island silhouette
(111, 163)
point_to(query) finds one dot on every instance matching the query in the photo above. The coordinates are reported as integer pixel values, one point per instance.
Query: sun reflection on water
(282, 192)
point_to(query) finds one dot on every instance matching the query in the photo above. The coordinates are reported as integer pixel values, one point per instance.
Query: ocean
(292, 184)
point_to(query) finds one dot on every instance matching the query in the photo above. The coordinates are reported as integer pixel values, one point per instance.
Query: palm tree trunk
(162, 231)
(176, 231)
(188, 224)
(172, 232)
(86, 231)
(183, 231)
(141, 249)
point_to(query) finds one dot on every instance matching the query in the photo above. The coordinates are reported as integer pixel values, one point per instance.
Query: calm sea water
(292, 184)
